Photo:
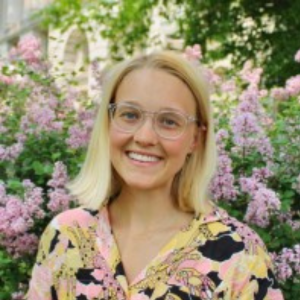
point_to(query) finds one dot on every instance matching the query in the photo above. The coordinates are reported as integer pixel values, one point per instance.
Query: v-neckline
(166, 250)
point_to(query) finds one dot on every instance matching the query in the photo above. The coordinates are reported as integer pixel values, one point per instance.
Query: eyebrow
(166, 108)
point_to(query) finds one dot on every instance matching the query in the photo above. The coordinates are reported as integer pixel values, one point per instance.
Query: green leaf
(38, 167)
(14, 184)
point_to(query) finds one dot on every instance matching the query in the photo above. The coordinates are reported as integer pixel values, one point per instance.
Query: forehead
(157, 88)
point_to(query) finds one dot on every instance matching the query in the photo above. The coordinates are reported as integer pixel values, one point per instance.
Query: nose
(145, 134)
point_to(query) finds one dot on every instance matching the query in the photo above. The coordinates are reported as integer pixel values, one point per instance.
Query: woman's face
(143, 159)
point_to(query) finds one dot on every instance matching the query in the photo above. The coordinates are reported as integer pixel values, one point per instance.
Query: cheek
(117, 139)
(178, 148)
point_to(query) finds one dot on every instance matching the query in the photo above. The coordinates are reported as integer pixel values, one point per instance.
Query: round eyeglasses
(167, 124)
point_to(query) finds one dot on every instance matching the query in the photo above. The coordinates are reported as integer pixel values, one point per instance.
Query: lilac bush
(44, 131)
(258, 181)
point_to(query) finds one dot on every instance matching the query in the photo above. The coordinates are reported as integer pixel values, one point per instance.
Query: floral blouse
(214, 257)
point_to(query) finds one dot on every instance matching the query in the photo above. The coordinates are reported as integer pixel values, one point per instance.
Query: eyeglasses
(166, 123)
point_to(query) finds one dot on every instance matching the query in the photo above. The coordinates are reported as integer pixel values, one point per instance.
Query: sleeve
(254, 277)
(50, 260)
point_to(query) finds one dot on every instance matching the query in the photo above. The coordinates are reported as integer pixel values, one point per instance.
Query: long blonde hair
(96, 181)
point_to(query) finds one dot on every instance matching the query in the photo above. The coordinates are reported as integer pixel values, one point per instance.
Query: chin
(146, 185)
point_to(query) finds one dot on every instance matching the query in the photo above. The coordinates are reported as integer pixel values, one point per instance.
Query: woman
(146, 228)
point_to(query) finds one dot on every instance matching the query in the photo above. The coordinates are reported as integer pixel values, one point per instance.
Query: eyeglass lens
(166, 123)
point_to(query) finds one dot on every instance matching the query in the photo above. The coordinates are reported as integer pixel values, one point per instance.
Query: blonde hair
(97, 181)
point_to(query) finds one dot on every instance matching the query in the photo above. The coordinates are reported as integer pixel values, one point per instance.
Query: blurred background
(230, 32)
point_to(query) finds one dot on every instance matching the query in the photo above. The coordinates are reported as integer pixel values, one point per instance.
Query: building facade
(69, 51)
(16, 20)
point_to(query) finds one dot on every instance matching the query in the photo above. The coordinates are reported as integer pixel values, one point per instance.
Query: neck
(144, 210)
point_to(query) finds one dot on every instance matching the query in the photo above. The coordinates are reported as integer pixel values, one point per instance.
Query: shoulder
(247, 235)
(227, 234)
(79, 216)
(60, 225)
(69, 228)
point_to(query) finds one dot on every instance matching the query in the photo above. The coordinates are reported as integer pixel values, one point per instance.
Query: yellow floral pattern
(215, 257)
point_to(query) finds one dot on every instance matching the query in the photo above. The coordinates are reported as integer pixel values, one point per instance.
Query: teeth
(140, 157)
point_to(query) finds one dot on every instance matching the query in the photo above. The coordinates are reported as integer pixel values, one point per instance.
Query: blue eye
(128, 114)
(170, 120)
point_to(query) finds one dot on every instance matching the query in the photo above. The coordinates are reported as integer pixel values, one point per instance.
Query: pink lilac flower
(262, 174)
(59, 198)
(222, 186)
(3, 154)
(248, 133)
(2, 194)
(263, 93)
(263, 201)
(29, 48)
(249, 185)
(44, 117)
(17, 218)
(7, 79)
(33, 199)
(213, 78)
(21, 137)
(249, 101)
(265, 148)
(297, 56)
(293, 85)
(228, 86)
(246, 124)
(21, 244)
(287, 218)
(79, 134)
(59, 176)
(251, 75)
(193, 52)
(40, 116)
(12, 152)
(279, 94)
(78, 137)
(287, 263)
(263, 204)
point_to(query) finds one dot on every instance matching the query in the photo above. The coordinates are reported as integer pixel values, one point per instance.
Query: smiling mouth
(142, 157)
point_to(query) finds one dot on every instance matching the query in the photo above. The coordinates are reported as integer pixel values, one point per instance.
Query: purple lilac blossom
(246, 124)
(79, 134)
(297, 56)
(287, 262)
(193, 52)
(293, 85)
(251, 75)
(279, 94)
(262, 205)
(222, 186)
(29, 48)
(17, 218)
(59, 198)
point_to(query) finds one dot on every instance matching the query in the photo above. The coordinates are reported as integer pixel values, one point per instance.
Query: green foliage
(10, 270)
(31, 90)
(265, 31)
